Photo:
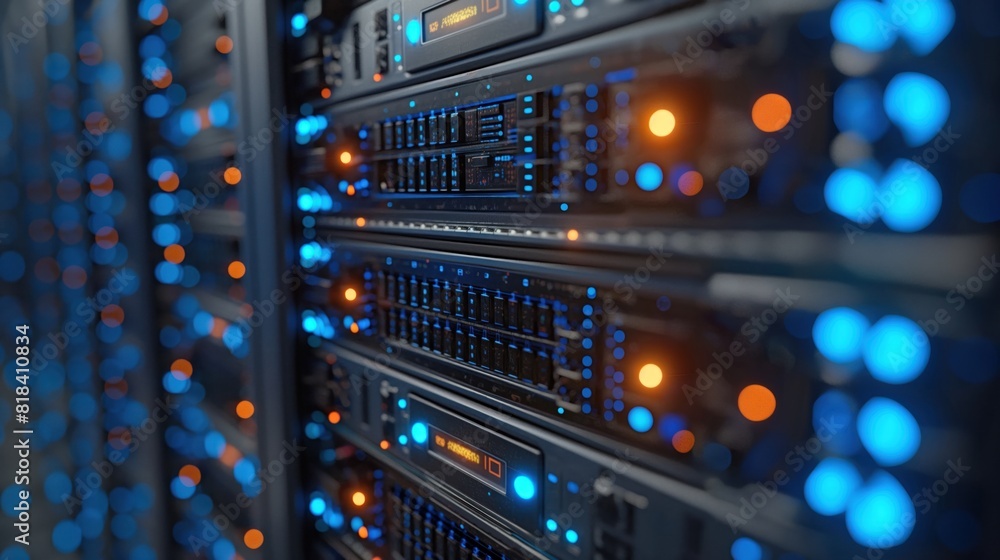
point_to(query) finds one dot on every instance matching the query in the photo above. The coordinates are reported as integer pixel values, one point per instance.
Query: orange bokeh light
(237, 269)
(174, 253)
(253, 539)
(224, 44)
(161, 17)
(662, 123)
(691, 183)
(112, 315)
(169, 181)
(245, 409)
(190, 475)
(101, 184)
(181, 369)
(771, 112)
(683, 441)
(232, 175)
(757, 403)
(106, 237)
(650, 375)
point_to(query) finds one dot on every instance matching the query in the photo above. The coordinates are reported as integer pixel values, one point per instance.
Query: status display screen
(457, 15)
(469, 458)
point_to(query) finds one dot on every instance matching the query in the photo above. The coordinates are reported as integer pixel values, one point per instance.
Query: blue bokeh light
(918, 104)
(640, 419)
(913, 197)
(745, 548)
(881, 504)
(851, 193)
(649, 176)
(317, 506)
(839, 333)
(888, 431)
(831, 485)
(896, 350)
(862, 23)
(926, 24)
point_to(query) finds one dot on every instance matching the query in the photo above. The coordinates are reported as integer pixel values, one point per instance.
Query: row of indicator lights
(190, 475)
(919, 106)
(524, 487)
(556, 5)
(571, 536)
(895, 349)
(68, 533)
(770, 113)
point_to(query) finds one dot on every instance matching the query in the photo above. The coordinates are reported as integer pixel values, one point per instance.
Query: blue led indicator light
(523, 487)
(746, 549)
(413, 31)
(640, 419)
(317, 506)
(649, 176)
(419, 432)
